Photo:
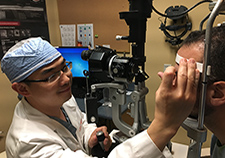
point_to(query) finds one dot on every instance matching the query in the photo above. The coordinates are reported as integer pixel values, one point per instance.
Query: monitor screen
(73, 54)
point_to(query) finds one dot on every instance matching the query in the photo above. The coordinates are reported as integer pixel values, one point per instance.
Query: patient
(193, 47)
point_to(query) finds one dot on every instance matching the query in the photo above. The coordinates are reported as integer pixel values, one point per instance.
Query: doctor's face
(195, 51)
(54, 93)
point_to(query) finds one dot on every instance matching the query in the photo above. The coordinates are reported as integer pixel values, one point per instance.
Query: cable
(202, 22)
(177, 37)
(185, 12)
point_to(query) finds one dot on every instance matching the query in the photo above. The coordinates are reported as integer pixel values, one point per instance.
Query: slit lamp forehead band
(199, 65)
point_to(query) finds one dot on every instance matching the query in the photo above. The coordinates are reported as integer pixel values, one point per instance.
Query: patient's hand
(175, 99)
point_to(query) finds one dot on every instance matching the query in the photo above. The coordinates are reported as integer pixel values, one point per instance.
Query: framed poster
(20, 19)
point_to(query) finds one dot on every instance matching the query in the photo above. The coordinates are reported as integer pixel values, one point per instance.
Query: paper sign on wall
(68, 35)
(85, 35)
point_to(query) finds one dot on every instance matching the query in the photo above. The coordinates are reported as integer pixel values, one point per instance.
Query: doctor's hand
(94, 140)
(175, 99)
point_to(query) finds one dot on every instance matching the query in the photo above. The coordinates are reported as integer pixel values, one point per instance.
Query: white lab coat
(33, 134)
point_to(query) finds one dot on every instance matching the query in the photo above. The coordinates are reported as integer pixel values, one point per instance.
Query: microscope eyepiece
(86, 54)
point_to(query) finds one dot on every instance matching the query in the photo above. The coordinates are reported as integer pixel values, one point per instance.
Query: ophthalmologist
(48, 123)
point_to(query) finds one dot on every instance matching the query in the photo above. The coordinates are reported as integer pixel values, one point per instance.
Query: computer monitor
(73, 54)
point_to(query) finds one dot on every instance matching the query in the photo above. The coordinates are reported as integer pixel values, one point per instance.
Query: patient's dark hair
(217, 52)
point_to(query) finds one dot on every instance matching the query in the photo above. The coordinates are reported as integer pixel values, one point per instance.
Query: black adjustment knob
(100, 135)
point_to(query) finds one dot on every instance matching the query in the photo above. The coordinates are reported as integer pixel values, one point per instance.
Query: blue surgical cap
(26, 57)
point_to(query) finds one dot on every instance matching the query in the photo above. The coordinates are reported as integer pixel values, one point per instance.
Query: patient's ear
(21, 88)
(217, 94)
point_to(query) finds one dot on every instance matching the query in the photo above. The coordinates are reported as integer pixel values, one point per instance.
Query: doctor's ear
(21, 88)
(217, 93)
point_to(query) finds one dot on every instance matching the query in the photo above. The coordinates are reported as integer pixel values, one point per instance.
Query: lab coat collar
(35, 115)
